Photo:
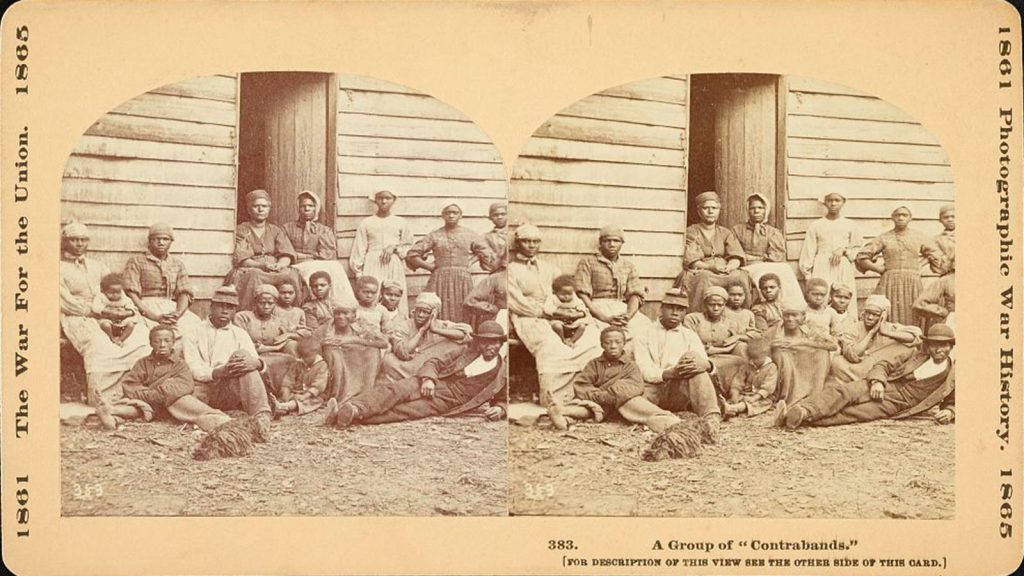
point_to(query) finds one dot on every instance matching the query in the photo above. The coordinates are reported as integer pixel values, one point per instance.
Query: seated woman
(318, 308)
(723, 340)
(529, 285)
(712, 256)
(316, 246)
(275, 344)
(105, 362)
(263, 253)
(158, 283)
(352, 351)
(870, 340)
(802, 354)
(424, 336)
(765, 247)
(610, 286)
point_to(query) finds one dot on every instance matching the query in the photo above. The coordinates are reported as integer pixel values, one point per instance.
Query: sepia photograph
(732, 295)
(283, 293)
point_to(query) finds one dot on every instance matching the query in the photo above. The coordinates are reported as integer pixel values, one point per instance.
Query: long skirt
(187, 324)
(557, 362)
(790, 286)
(843, 273)
(696, 281)
(105, 362)
(901, 287)
(352, 368)
(802, 372)
(394, 270)
(341, 288)
(452, 285)
(247, 279)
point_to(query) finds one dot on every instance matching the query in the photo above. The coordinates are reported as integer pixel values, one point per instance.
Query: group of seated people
(732, 338)
(281, 339)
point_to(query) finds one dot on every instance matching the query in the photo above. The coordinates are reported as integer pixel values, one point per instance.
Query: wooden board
(808, 187)
(121, 148)
(146, 215)
(577, 241)
(648, 112)
(220, 87)
(420, 167)
(109, 237)
(554, 193)
(139, 193)
(421, 224)
(415, 208)
(858, 130)
(668, 89)
(162, 130)
(354, 82)
(611, 132)
(409, 128)
(362, 186)
(806, 84)
(154, 171)
(551, 148)
(584, 217)
(870, 170)
(865, 151)
(154, 105)
(406, 105)
(843, 106)
(601, 173)
(926, 209)
(369, 146)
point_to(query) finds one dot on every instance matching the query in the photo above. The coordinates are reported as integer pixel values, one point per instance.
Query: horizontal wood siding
(616, 157)
(392, 137)
(843, 140)
(167, 155)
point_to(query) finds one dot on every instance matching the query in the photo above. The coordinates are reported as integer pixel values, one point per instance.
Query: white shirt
(209, 347)
(657, 349)
(479, 366)
(930, 368)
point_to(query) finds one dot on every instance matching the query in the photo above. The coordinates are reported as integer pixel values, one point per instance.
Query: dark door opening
(734, 146)
(286, 141)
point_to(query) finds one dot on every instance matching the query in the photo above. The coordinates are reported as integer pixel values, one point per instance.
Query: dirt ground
(883, 469)
(438, 466)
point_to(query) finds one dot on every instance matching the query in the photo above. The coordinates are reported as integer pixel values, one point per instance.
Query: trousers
(192, 410)
(246, 392)
(695, 394)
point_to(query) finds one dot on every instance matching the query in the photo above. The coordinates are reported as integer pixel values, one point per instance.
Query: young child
(318, 308)
(293, 318)
(112, 296)
(568, 312)
(840, 299)
(391, 294)
(742, 318)
(752, 388)
(302, 388)
(768, 312)
(819, 314)
(369, 312)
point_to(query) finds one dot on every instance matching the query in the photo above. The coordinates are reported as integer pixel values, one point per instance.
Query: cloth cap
(491, 209)
(940, 333)
(255, 195)
(527, 232)
(266, 289)
(842, 287)
(344, 304)
(946, 209)
(226, 295)
(898, 208)
(763, 199)
(428, 300)
(450, 202)
(677, 297)
(316, 201)
(74, 230)
(373, 195)
(391, 285)
(709, 195)
(794, 306)
(877, 302)
(715, 291)
(827, 194)
(611, 231)
(490, 329)
(161, 228)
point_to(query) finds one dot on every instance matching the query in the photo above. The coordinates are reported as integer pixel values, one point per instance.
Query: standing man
(674, 364)
(906, 385)
(225, 365)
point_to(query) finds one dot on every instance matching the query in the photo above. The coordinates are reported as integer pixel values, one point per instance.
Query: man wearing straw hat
(907, 385)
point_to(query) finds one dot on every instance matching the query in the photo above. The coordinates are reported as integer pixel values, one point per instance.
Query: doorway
(286, 141)
(735, 143)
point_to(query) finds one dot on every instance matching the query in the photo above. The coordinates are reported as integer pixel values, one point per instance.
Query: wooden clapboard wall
(167, 155)
(391, 137)
(615, 157)
(841, 139)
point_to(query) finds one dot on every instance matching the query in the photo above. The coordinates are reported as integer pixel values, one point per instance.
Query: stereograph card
(511, 287)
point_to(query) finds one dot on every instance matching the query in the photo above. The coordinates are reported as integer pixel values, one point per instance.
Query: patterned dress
(263, 249)
(372, 236)
(717, 247)
(453, 250)
(901, 282)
